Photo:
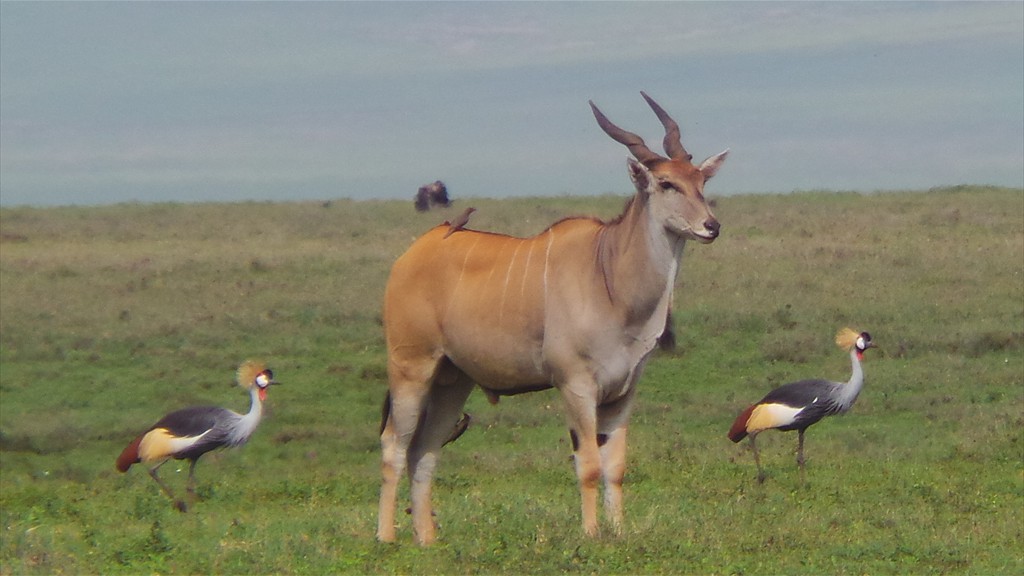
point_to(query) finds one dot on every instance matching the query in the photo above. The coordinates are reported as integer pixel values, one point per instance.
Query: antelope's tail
(385, 411)
(739, 427)
(129, 455)
(667, 340)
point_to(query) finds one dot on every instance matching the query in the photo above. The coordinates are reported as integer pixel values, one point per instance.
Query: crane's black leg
(191, 486)
(757, 460)
(800, 456)
(178, 504)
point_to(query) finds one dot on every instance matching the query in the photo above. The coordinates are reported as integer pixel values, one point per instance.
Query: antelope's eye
(665, 185)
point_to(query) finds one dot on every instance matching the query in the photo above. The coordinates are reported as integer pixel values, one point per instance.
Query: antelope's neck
(639, 260)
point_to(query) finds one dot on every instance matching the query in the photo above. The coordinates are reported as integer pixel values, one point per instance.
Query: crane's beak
(263, 390)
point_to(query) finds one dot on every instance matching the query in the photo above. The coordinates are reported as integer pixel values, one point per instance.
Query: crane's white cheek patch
(159, 444)
(767, 416)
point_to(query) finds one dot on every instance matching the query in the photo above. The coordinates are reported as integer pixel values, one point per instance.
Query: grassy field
(111, 316)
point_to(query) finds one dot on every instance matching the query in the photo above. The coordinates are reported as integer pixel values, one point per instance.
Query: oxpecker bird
(189, 433)
(459, 223)
(798, 405)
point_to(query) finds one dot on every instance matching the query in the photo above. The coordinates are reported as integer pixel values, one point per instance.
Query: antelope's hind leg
(440, 419)
(409, 385)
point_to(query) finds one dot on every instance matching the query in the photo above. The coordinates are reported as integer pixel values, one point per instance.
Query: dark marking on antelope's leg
(602, 439)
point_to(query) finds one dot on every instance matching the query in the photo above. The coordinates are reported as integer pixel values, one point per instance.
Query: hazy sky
(113, 102)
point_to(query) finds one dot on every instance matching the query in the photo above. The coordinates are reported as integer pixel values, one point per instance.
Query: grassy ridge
(111, 316)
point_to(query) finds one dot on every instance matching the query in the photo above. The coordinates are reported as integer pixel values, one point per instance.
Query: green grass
(111, 316)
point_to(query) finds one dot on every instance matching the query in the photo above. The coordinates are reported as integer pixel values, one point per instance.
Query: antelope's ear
(640, 176)
(710, 166)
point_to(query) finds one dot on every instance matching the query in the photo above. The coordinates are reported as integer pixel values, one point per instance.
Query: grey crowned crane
(189, 433)
(798, 405)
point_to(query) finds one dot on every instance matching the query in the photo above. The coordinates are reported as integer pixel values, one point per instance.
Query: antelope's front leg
(582, 414)
(588, 472)
(612, 422)
(613, 466)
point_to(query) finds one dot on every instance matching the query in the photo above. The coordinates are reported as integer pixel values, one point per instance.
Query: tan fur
(578, 307)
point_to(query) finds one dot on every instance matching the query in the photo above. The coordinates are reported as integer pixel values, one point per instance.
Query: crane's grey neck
(246, 425)
(848, 392)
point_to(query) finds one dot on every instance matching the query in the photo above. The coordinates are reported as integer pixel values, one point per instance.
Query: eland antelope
(578, 307)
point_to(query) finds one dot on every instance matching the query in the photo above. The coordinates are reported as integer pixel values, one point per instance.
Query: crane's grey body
(212, 427)
(817, 399)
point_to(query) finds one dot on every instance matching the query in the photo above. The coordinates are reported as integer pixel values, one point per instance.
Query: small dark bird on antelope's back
(459, 222)
(798, 405)
(189, 433)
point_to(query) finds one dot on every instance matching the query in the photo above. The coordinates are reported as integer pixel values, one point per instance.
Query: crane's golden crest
(248, 372)
(847, 338)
